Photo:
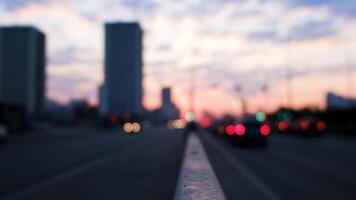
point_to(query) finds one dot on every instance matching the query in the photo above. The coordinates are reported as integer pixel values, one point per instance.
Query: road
(289, 168)
(83, 163)
(91, 164)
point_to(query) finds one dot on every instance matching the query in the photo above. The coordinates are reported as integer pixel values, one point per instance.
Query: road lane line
(197, 179)
(74, 171)
(238, 165)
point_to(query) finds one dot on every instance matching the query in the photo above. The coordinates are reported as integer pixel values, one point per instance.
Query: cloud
(15, 4)
(264, 35)
(297, 24)
(74, 54)
(341, 7)
(63, 56)
(81, 87)
(310, 30)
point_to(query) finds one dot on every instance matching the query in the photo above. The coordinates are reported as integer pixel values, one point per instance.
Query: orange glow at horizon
(306, 93)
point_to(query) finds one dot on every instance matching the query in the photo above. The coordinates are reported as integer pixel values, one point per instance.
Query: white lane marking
(197, 179)
(88, 166)
(236, 163)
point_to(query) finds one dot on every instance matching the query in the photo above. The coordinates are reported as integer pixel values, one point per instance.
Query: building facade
(22, 68)
(122, 89)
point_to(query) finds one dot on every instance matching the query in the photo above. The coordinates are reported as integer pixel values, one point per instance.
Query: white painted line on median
(197, 179)
(235, 162)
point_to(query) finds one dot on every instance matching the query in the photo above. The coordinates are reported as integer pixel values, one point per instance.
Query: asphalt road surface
(289, 167)
(91, 164)
(83, 163)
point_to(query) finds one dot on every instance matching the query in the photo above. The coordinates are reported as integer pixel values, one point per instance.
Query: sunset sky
(228, 43)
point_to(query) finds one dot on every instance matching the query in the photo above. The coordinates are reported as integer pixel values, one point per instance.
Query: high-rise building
(166, 96)
(102, 101)
(22, 68)
(168, 109)
(122, 89)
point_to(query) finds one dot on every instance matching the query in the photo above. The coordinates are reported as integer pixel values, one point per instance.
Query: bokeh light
(283, 126)
(236, 103)
(260, 116)
(265, 130)
(128, 127)
(136, 127)
(114, 118)
(240, 129)
(230, 129)
(205, 122)
(321, 125)
(190, 116)
(178, 124)
(304, 125)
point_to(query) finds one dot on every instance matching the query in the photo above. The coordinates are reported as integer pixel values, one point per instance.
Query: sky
(233, 48)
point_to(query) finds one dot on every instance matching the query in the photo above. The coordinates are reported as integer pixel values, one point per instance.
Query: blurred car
(248, 132)
(3, 133)
(309, 126)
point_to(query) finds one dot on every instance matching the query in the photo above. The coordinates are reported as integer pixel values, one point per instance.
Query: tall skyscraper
(122, 89)
(22, 68)
(168, 109)
(166, 96)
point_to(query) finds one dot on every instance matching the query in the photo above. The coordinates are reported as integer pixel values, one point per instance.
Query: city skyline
(242, 43)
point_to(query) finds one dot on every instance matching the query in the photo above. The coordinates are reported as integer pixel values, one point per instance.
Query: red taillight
(304, 125)
(265, 130)
(113, 119)
(321, 125)
(283, 126)
(230, 130)
(240, 129)
(205, 122)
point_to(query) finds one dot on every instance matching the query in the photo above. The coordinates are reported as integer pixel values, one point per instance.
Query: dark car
(248, 132)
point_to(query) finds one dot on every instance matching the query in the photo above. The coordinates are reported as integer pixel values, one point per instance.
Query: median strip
(197, 179)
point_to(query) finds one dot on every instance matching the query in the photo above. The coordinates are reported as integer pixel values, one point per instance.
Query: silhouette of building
(336, 102)
(22, 68)
(121, 92)
(166, 96)
(57, 113)
(77, 111)
(168, 110)
(102, 101)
